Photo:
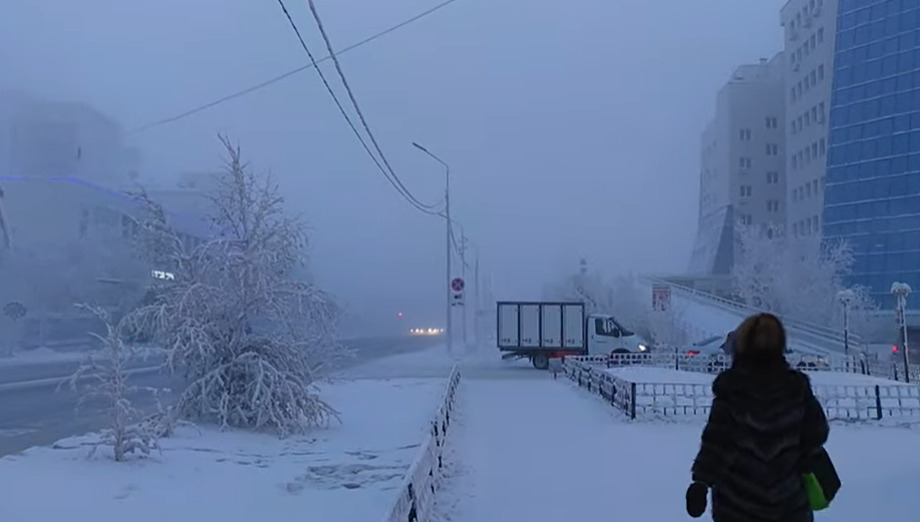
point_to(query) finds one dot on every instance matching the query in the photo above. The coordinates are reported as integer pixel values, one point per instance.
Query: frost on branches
(800, 278)
(627, 300)
(105, 377)
(251, 340)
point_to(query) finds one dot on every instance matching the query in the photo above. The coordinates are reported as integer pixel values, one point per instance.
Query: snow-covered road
(544, 451)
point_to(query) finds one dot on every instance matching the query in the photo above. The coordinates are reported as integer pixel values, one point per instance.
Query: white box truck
(542, 330)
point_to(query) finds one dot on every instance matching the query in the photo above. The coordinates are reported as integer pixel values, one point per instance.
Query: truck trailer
(543, 330)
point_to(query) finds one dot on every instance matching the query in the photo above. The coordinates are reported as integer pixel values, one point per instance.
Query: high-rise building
(872, 197)
(742, 178)
(47, 139)
(809, 49)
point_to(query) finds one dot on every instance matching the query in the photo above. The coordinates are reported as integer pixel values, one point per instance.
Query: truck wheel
(540, 361)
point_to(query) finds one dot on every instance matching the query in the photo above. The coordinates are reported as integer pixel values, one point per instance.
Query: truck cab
(607, 336)
(541, 330)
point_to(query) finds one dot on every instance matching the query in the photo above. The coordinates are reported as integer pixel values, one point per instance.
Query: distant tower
(583, 266)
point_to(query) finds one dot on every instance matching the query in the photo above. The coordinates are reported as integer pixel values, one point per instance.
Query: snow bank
(346, 472)
(40, 356)
(431, 362)
(646, 374)
(49, 356)
(571, 457)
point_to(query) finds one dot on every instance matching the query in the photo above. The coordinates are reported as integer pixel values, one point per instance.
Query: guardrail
(821, 336)
(415, 497)
(642, 399)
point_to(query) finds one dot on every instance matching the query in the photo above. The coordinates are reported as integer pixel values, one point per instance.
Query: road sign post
(456, 287)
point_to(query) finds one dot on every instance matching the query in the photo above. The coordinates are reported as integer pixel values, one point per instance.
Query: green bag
(821, 482)
(816, 497)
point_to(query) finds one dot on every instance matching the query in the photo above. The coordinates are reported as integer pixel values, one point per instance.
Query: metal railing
(830, 339)
(640, 398)
(414, 500)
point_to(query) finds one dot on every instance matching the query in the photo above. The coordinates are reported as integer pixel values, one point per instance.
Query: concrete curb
(55, 381)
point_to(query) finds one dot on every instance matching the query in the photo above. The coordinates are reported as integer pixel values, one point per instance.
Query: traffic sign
(457, 284)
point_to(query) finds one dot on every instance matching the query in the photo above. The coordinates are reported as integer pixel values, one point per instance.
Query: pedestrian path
(542, 450)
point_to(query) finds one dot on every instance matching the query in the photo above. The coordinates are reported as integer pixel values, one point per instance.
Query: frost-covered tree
(624, 298)
(250, 338)
(104, 377)
(797, 277)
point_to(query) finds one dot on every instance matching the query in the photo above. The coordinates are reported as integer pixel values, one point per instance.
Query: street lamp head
(419, 147)
(846, 296)
(901, 289)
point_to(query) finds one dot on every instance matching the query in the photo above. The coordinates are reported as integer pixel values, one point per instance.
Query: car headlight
(643, 348)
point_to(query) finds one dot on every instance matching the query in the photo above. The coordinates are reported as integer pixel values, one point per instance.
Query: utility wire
(288, 74)
(396, 183)
(358, 111)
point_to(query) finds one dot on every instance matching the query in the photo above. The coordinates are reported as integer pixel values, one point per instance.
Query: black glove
(696, 499)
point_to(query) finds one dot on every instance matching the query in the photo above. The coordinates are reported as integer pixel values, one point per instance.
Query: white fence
(862, 364)
(415, 497)
(643, 399)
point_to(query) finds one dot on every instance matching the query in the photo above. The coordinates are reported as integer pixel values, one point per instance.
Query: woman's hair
(761, 336)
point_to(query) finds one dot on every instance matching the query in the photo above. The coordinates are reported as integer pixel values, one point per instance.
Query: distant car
(712, 351)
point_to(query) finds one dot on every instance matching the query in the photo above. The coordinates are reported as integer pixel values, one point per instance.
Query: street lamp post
(449, 331)
(901, 291)
(846, 297)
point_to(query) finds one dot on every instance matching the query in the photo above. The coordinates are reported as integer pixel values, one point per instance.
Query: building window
(815, 224)
(814, 184)
(772, 122)
(745, 134)
(814, 150)
(795, 162)
(772, 177)
(821, 72)
(746, 191)
(746, 219)
(820, 34)
(822, 148)
(744, 163)
(773, 205)
(792, 94)
(772, 149)
(821, 112)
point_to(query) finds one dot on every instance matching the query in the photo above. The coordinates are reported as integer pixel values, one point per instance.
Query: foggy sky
(572, 128)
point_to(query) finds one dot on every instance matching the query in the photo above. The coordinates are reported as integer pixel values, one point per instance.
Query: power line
(354, 102)
(396, 183)
(288, 74)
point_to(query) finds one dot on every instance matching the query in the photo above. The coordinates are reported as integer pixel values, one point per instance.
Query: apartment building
(810, 28)
(45, 139)
(742, 165)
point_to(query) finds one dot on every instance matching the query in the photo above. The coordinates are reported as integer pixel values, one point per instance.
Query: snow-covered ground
(645, 374)
(349, 471)
(544, 451)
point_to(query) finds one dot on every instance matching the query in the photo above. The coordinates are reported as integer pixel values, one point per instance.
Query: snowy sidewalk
(544, 451)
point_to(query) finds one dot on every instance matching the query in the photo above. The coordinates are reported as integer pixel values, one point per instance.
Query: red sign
(661, 297)
(457, 284)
